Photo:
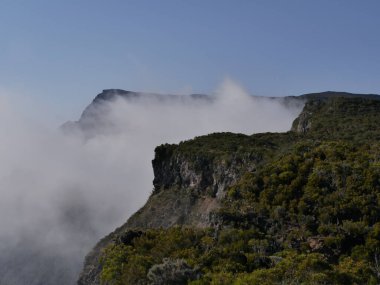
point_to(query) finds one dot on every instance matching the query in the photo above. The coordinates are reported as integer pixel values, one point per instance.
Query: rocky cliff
(262, 183)
(190, 183)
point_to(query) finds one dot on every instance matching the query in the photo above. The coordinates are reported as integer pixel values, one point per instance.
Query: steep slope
(302, 205)
(351, 118)
(190, 184)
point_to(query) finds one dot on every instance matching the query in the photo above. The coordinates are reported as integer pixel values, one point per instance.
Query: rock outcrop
(188, 190)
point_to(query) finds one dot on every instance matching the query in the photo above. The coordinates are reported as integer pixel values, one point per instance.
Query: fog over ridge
(60, 193)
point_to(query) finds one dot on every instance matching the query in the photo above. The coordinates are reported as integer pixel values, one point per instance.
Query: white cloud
(60, 194)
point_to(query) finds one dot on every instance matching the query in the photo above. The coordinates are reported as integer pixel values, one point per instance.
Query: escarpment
(256, 205)
(188, 187)
(190, 183)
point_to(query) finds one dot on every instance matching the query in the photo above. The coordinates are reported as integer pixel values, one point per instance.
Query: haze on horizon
(55, 55)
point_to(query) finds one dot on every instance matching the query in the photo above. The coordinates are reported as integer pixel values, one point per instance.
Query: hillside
(301, 207)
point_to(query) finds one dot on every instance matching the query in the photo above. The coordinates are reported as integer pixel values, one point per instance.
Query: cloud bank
(61, 193)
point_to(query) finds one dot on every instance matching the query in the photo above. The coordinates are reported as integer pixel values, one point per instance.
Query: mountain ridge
(208, 182)
(90, 121)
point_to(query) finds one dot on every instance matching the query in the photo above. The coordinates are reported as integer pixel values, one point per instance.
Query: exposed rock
(172, 271)
(315, 243)
(187, 192)
(303, 123)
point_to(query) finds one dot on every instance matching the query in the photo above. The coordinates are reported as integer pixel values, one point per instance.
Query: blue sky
(63, 53)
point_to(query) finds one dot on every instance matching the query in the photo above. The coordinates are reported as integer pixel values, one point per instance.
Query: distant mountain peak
(110, 94)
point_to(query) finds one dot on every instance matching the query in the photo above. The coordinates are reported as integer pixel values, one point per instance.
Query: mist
(60, 193)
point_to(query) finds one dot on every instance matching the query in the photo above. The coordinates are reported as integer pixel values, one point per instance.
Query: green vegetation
(343, 118)
(308, 213)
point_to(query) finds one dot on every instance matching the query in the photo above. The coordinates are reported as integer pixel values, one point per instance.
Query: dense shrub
(308, 213)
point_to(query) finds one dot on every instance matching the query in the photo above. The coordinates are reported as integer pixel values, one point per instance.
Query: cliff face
(228, 180)
(188, 190)
(303, 123)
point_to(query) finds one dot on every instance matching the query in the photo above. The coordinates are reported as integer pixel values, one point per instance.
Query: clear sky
(65, 52)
